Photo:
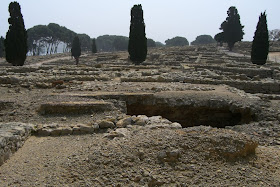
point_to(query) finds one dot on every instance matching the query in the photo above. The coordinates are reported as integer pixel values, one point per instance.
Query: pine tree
(260, 46)
(93, 47)
(16, 37)
(137, 45)
(232, 28)
(220, 38)
(76, 49)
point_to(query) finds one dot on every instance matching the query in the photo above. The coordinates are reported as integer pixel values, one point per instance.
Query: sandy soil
(93, 160)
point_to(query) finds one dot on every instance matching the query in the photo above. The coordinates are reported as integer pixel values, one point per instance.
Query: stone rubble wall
(199, 65)
(12, 137)
(14, 134)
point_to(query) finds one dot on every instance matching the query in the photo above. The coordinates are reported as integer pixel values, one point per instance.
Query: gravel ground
(137, 159)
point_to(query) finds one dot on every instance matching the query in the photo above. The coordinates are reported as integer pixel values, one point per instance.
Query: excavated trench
(189, 116)
(188, 108)
(192, 111)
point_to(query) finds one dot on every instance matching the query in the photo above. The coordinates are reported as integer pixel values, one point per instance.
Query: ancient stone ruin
(181, 108)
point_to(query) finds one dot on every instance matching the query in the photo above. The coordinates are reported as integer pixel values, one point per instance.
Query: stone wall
(12, 137)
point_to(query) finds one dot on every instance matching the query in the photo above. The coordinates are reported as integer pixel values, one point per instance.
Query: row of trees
(109, 43)
(47, 38)
(50, 36)
(233, 32)
(38, 44)
(181, 41)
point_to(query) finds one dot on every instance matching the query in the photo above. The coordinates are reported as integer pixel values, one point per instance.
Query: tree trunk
(230, 46)
(48, 48)
(77, 60)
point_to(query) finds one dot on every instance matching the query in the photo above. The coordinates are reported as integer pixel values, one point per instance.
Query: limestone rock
(141, 120)
(175, 125)
(124, 122)
(223, 143)
(106, 124)
(12, 137)
(44, 132)
(113, 135)
(66, 131)
(123, 131)
(169, 156)
(55, 132)
(85, 129)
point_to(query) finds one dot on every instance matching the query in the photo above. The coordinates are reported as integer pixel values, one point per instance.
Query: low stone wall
(250, 72)
(266, 87)
(75, 107)
(14, 134)
(12, 137)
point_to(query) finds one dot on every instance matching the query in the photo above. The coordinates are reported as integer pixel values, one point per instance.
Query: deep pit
(189, 108)
(192, 110)
(189, 116)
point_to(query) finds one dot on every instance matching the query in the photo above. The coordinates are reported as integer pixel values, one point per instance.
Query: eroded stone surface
(12, 137)
(174, 88)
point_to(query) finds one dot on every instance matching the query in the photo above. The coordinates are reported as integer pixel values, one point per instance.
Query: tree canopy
(85, 41)
(220, 37)
(177, 41)
(203, 39)
(47, 38)
(120, 43)
(232, 28)
(260, 46)
(274, 35)
(151, 43)
(109, 43)
(16, 37)
(159, 44)
(137, 45)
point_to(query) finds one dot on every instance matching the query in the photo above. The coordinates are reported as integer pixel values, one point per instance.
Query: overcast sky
(164, 19)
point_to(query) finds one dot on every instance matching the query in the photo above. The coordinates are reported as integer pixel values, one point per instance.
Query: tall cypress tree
(76, 49)
(16, 37)
(260, 46)
(93, 47)
(232, 28)
(2, 49)
(137, 45)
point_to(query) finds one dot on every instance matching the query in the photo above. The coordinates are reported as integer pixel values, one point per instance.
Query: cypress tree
(137, 45)
(232, 28)
(76, 49)
(260, 46)
(93, 47)
(16, 37)
(2, 49)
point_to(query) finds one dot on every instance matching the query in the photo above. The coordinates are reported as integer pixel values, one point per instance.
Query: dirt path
(53, 60)
(50, 60)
